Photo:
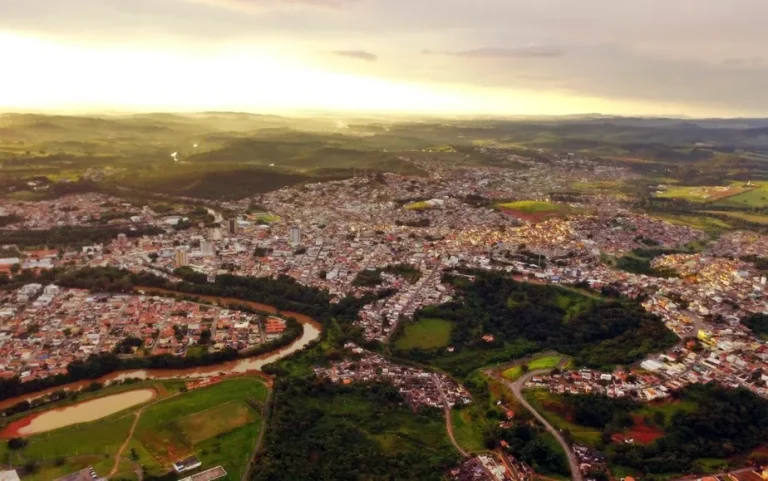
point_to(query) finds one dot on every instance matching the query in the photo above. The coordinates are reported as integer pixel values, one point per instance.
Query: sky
(696, 58)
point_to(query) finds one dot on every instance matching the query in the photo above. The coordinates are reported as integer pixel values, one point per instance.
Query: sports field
(219, 424)
(427, 333)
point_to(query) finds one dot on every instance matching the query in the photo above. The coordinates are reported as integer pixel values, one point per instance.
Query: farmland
(219, 424)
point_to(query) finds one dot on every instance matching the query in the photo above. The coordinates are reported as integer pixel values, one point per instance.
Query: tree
(15, 268)
(16, 443)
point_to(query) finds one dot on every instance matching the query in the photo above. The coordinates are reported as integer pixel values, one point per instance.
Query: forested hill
(598, 332)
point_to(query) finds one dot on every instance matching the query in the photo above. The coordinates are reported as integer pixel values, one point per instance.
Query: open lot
(427, 333)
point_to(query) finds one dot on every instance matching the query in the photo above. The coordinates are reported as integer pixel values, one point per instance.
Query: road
(517, 390)
(119, 454)
(449, 420)
(265, 415)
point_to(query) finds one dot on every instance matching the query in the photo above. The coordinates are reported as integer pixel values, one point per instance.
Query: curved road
(517, 390)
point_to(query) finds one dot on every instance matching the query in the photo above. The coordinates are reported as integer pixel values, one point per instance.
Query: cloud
(256, 5)
(357, 55)
(742, 62)
(531, 51)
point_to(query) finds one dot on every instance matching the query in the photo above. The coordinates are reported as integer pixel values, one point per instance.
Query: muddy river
(84, 412)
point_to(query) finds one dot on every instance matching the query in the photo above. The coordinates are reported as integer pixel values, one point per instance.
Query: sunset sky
(500, 57)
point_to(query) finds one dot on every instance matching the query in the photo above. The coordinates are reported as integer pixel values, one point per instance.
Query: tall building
(122, 239)
(206, 247)
(182, 258)
(232, 226)
(295, 236)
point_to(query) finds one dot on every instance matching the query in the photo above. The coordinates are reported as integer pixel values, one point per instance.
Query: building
(122, 239)
(182, 258)
(87, 474)
(295, 236)
(216, 234)
(187, 464)
(232, 225)
(206, 248)
(9, 475)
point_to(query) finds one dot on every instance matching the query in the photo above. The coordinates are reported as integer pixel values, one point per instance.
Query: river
(310, 332)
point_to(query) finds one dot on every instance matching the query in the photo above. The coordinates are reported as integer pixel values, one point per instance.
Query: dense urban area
(529, 316)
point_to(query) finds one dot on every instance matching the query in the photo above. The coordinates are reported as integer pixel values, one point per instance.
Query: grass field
(531, 206)
(701, 222)
(707, 193)
(427, 333)
(753, 218)
(546, 362)
(757, 197)
(543, 362)
(513, 373)
(215, 423)
(469, 428)
(422, 205)
(173, 428)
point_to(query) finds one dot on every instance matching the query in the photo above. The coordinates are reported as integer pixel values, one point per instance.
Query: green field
(757, 197)
(513, 373)
(753, 218)
(426, 333)
(701, 222)
(544, 362)
(421, 205)
(531, 206)
(215, 423)
(707, 193)
(469, 428)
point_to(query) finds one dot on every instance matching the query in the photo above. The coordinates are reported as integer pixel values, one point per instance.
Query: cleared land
(427, 333)
(216, 423)
(756, 197)
(707, 193)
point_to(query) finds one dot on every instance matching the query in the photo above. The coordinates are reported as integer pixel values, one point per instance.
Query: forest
(727, 422)
(283, 292)
(598, 333)
(349, 433)
(72, 236)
